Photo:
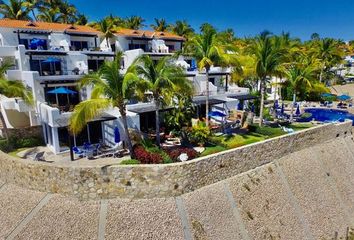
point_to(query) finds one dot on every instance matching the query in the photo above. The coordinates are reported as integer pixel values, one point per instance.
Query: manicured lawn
(256, 134)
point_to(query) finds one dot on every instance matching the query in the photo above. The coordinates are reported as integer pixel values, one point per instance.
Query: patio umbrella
(116, 135)
(297, 110)
(51, 61)
(326, 95)
(344, 97)
(62, 90)
(35, 43)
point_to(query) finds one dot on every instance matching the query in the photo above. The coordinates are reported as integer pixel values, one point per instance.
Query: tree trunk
(157, 121)
(4, 127)
(34, 15)
(207, 97)
(292, 108)
(275, 97)
(126, 129)
(262, 103)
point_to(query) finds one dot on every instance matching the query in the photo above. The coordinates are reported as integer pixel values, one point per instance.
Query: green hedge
(15, 143)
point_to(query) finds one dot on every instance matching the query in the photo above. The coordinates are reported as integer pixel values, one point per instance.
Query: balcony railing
(61, 72)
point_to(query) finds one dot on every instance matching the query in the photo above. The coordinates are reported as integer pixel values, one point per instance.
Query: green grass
(256, 134)
(212, 150)
(300, 126)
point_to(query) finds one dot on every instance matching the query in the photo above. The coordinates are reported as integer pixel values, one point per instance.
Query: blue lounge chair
(78, 152)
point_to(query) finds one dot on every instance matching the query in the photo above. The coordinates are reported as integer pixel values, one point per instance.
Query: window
(94, 64)
(24, 42)
(171, 48)
(45, 69)
(79, 45)
(133, 46)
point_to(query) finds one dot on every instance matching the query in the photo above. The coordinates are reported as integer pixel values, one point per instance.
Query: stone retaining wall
(149, 181)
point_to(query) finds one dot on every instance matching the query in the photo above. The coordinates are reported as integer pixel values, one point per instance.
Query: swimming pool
(328, 115)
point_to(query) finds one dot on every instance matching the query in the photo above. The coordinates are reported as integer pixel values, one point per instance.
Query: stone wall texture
(150, 181)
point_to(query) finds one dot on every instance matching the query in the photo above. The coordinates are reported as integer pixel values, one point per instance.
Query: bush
(266, 131)
(146, 157)
(5, 146)
(175, 153)
(130, 162)
(199, 134)
(15, 143)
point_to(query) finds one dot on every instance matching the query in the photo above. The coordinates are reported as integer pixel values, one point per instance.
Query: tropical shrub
(15, 143)
(146, 157)
(199, 134)
(175, 153)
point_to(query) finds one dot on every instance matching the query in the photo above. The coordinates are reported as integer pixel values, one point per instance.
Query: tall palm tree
(134, 22)
(299, 77)
(50, 15)
(160, 25)
(268, 58)
(111, 88)
(15, 9)
(11, 89)
(67, 12)
(163, 79)
(81, 19)
(182, 28)
(208, 51)
(328, 51)
(33, 5)
(107, 28)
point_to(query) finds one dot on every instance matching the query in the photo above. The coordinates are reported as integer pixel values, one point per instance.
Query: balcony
(54, 116)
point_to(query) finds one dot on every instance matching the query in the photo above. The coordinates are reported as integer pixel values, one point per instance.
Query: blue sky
(329, 18)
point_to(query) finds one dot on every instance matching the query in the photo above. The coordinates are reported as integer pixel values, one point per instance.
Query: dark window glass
(24, 42)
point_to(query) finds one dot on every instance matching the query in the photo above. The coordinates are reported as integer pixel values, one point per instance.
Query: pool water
(328, 115)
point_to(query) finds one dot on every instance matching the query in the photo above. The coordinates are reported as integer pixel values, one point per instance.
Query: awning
(45, 52)
(242, 97)
(145, 108)
(63, 121)
(200, 100)
(98, 54)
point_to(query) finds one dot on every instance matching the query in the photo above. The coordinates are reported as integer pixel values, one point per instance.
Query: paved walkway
(306, 195)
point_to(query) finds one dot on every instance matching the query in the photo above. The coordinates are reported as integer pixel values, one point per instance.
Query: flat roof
(200, 100)
(242, 97)
(145, 108)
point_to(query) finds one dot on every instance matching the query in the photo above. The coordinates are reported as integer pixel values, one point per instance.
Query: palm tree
(107, 28)
(67, 12)
(50, 15)
(163, 79)
(32, 5)
(182, 28)
(111, 88)
(15, 9)
(81, 19)
(160, 25)
(11, 89)
(298, 77)
(268, 58)
(315, 37)
(327, 50)
(134, 22)
(208, 51)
